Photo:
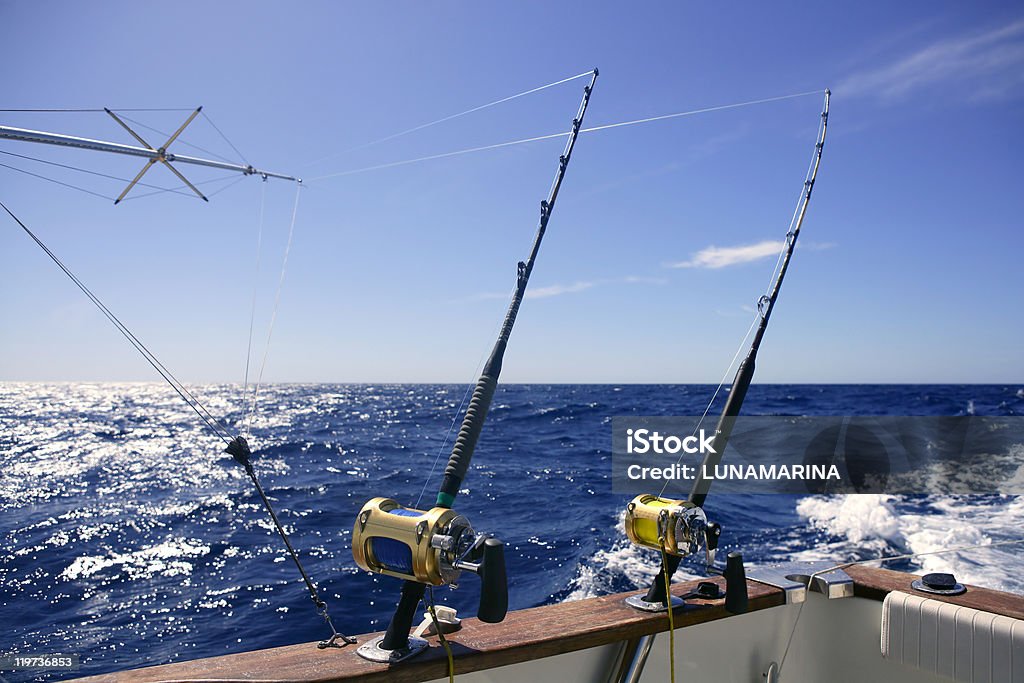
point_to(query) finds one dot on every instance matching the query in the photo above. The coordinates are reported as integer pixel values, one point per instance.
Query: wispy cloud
(549, 291)
(987, 65)
(720, 257)
(556, 290)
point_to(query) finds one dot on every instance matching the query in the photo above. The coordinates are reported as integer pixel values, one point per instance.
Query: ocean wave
(170, 558)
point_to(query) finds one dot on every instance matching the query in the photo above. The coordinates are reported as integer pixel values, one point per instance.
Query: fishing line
(440, 635)
(759, 313)
(255, 289)
(592, 129)
(718, 389)
(449, 118)
(512, 295)
(205, 415)
(277, 301)
(671, 617)
(796, 210)
(704, 110)
(439, 156)
(455, 417)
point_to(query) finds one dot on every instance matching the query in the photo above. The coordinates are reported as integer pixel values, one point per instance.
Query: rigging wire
(538, 138)
(117, 109)
(222, 179)
(157, 188)
(204, 414)
(226, 187)
(231, 144)
(90, 172)
(449, 117)
(58, 182)
(277, 301)
(182, 142)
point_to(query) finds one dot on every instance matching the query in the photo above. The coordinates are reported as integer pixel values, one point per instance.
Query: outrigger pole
(745, 371)
(152, 154)
(397, 636)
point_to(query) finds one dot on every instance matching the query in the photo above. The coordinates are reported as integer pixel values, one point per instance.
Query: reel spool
(681, 524)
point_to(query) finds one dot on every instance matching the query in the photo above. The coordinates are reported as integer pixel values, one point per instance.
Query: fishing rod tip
(596, 72)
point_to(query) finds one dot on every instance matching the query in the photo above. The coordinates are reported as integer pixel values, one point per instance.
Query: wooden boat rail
(525, 635)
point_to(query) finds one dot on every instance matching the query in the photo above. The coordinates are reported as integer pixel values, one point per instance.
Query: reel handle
(711, 535)
(494, 583)
(712, 532)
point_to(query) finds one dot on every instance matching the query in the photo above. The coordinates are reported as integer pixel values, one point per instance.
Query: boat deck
(525, 635)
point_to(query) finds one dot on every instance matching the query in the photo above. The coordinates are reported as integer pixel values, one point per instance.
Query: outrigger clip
(238, 448)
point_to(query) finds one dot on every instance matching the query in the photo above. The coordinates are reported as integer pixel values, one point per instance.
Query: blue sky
(908, 269)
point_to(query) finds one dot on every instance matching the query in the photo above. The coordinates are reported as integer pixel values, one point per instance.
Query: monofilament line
(592, 129)
(450, 117)
(273, 314)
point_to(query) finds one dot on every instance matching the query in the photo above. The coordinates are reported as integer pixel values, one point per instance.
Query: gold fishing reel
(431, 547)
(677, 525)
(416, 545)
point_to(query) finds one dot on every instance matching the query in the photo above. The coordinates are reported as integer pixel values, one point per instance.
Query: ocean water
(129, 538)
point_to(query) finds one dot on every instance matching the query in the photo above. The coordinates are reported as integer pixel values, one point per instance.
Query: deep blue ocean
(129, 538)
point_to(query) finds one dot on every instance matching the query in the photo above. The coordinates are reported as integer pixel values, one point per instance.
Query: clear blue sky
(908, 270)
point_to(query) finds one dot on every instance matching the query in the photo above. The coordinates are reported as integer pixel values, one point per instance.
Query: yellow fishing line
(671, 618)
(440, 637)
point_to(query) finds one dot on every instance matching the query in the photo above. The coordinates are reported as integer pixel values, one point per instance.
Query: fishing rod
(431, 548)
(678, 528)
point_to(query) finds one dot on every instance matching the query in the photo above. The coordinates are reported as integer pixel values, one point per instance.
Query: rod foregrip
(465, 443)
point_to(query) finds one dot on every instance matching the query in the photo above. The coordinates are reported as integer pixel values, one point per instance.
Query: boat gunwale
(526, 635)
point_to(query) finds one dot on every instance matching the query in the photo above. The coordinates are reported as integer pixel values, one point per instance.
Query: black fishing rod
(380, 541)
(741, 383)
